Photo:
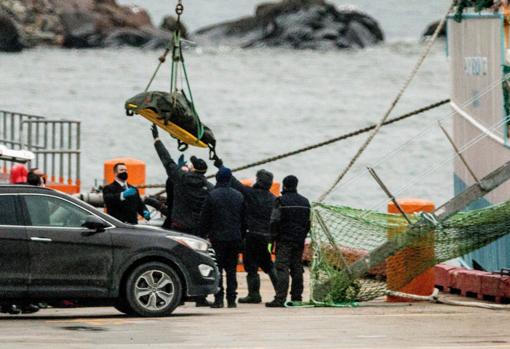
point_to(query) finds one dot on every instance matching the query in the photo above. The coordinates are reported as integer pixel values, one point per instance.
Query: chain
(179, 9)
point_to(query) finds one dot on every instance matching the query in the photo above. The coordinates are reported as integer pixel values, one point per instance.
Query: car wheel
(153, 289)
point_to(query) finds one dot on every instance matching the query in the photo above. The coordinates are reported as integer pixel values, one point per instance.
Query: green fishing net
(359, 254)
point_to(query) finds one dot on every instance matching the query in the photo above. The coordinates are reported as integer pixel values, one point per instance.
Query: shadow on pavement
(92, 317)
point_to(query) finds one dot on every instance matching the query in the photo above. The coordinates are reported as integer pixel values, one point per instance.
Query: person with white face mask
(122, 200)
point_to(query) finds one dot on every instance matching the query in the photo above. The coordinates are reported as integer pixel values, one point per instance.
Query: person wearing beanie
(221, 222)
(290, 224)
(258, 204)
(190, 188)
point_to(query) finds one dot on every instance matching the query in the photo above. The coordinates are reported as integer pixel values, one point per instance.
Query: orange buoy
(405, 262)
(136, 171)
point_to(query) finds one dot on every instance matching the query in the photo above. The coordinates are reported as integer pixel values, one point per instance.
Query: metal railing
(10, 128)
(55, 143)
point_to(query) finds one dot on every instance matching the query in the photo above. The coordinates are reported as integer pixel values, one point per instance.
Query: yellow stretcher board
(173, 129)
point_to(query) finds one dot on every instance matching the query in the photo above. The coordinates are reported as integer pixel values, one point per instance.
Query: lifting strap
(178, 63)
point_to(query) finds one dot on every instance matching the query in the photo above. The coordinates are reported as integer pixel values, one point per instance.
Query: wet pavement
(376, 325)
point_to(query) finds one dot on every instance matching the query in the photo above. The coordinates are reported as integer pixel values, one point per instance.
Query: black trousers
(288, 259)
(226, 255)
(256, 255)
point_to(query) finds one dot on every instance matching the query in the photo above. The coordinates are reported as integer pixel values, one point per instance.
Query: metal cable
(324, 143)
(339, 138)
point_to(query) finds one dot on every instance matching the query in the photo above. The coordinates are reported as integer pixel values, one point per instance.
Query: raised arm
(170, 165)
(234, 182)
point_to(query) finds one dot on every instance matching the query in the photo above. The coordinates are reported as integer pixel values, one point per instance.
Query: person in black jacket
(290, 223)
(122, 200)
(166, 207)
(258, 204)
(221, 221)
(190, 188)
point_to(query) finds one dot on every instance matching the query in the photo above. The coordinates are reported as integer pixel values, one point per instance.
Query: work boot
(275, 304)
(202, 302)
(232, 303)
(13, 309)
(253, 297)
(274, 277)
(30, 309)
(218, 303)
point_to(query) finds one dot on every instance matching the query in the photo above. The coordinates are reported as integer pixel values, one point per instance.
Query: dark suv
(57, 250)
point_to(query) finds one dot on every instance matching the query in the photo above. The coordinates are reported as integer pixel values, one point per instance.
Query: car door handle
(34, 238)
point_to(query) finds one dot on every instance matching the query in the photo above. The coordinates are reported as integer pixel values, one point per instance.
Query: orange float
(402, 264)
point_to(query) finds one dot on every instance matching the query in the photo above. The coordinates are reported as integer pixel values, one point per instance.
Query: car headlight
(195, 244)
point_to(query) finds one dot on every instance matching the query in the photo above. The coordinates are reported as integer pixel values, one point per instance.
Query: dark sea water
(261, 102)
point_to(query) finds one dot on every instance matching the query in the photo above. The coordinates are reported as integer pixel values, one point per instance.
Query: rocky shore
(77, 24)
(299, 24)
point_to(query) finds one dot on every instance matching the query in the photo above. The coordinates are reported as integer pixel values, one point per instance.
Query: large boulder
(80, 29)
(169, 23)
(429, 31)
(81, 24)
(300, 24)
(10, 37)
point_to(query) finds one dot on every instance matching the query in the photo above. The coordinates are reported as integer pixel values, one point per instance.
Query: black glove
(154, 129)
(218, 162)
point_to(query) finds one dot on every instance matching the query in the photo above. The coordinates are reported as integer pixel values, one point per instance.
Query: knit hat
(223, 175)
(198, 164)
(264, 179)
(290, 182)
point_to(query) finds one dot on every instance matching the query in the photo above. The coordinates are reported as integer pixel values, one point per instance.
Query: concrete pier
(376, 325)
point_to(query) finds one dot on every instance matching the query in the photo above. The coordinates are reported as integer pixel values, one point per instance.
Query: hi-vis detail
(475, 66)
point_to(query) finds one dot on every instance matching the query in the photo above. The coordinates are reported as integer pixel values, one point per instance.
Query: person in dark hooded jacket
(190, 188)
(258, 205)
(221, 222)
(290, 223)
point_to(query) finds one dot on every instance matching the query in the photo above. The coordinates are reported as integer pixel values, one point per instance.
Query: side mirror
(95, 224)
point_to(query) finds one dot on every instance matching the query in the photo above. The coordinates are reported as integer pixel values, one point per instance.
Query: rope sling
(175, 112)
